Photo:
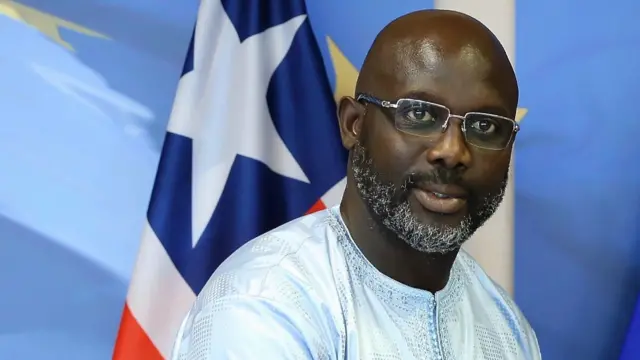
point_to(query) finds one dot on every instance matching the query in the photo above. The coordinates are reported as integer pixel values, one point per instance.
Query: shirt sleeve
(534, 346)
(243, 327)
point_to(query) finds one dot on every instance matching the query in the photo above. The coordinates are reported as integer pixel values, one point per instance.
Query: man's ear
(350, 118)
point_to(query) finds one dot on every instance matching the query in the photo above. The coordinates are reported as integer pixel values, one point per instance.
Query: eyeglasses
(430, 120)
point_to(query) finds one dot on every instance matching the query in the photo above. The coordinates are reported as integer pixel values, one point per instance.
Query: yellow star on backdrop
(520, 114)
(47, 24)
(346, 75)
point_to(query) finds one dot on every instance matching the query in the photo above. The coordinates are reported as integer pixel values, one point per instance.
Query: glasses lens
(420, 118)
(488, 131)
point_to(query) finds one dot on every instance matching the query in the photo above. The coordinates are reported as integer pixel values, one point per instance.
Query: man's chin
(431, 218)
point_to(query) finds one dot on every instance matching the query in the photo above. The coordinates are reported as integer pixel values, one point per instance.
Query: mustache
(439, 175)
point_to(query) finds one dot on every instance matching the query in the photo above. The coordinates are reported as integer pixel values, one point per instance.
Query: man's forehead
(451, 75)
(440, 52)
(432, 56)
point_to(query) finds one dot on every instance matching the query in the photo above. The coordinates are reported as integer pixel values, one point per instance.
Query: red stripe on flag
(319, 205)
(132, 342)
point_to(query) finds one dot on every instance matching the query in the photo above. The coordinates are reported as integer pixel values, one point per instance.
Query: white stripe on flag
(492, 245)
(334, 195)
(158, 297)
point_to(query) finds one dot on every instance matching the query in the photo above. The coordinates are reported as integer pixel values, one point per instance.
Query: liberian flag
(252, 143)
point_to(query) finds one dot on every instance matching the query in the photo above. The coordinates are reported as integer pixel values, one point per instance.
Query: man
(382, 276)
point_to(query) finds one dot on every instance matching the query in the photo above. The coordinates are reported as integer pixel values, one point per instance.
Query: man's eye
(419, 114)
(484, 126)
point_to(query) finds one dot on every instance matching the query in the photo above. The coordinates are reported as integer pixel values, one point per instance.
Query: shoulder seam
(278, 264)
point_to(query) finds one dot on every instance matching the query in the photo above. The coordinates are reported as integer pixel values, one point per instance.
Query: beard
(389, 206)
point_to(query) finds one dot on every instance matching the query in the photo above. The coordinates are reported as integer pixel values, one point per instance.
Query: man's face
(433, 193)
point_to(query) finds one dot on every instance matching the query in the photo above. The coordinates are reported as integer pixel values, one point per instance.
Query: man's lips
(441, 198)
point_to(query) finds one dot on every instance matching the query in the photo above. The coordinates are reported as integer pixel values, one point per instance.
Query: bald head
(439, 52)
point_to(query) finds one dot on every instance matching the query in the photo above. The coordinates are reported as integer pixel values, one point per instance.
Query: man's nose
(451, 149)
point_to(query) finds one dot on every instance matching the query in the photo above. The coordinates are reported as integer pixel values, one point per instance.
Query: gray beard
(391, 209)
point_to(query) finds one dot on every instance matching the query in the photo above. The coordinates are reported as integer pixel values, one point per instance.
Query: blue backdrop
(84, 114)
(577, 178)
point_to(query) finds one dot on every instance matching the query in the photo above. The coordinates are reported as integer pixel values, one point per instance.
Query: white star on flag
(223, 123)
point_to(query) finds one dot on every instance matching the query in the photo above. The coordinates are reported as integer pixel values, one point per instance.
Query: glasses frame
(361, 97)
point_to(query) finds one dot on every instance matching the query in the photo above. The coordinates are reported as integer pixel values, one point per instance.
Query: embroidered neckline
(387, 288)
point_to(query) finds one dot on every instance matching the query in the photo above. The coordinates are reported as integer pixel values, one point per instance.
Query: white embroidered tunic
(305, 291)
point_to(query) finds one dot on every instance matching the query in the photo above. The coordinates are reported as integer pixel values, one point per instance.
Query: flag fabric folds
(631, 348)
(252, 143)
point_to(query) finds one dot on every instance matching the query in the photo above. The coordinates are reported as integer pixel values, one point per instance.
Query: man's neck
(390, 255)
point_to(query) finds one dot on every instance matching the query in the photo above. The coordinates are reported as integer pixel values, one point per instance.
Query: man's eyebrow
(494, 110)
(427, 96)
(423, 95)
